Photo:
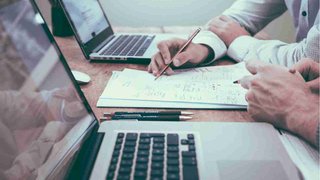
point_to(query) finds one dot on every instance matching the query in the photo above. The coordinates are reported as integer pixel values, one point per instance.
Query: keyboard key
(125, 170)
(144, 141)
(140, 175)
(190, 136)
(184, 141)
(126, 163)
(173, 176)
(156, 173)
(158, 140)
(158, 146)
(112, 167)
(172, 148)
(174, 155)
(127, 156)
(192, 148)
(157, 152)
(173, 169)
(140, 166)
(129, 143)
(123, 177)
(189, 161)
(120, 135)
(131, 136)
(142, 159)
(119, 141)
(188, 154)
(190, 173)
(110, 175)
(157, 165)
(172, 139)
(116, 153)
(143, 153)
(191, 141)
(117, 147)
(173, 162)
(114, 160)
(144, 147)
(145, 135)
(157, 158)
(128, 149)
(157, 134)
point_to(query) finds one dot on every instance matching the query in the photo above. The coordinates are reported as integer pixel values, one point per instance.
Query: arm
(274, 51)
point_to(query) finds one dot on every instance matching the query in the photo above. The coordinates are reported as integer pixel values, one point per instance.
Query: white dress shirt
(254, 15)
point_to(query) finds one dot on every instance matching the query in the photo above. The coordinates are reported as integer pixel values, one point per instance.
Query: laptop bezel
(91, 131)
(96, 41)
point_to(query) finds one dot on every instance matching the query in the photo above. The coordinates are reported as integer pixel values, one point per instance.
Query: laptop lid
(44, 115)
(88, 22)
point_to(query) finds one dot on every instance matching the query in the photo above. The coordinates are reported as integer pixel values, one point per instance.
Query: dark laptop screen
(87, 17)
(42, 114)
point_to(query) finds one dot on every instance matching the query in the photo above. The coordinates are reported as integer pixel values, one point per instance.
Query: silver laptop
(97, 40)
(48, 130)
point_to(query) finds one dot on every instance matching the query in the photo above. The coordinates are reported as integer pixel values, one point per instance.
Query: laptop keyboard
(153, 156)
(129, 45)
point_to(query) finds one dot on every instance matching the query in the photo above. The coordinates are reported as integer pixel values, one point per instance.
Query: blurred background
(142, 13)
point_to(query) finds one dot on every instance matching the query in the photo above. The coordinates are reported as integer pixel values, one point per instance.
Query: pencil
(180, 50)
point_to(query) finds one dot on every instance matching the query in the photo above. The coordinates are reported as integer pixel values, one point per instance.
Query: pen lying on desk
(150, 118)
(151, 113)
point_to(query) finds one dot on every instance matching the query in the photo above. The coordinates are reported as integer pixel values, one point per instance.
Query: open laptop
(97, 40)
(48, 130)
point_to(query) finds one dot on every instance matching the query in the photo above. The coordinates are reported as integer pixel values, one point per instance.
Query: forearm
(273, 51)
(255, 14)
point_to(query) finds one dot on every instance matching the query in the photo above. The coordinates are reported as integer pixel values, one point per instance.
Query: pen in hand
(180, 50)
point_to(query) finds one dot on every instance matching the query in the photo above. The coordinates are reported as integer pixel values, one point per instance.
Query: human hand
(310, 71)
(194, 54)
(281, 98)
(227, 29)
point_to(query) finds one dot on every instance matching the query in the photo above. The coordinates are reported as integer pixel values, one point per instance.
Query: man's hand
(281, 98)
(193, 55)
(227, 29)
(310, 71)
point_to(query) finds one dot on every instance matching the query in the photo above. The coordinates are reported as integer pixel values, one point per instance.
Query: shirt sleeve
(212, 41)
(254, 15)
(275, 51)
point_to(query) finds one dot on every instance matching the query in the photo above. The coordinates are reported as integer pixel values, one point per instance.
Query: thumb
(181, 59)
(314, 85)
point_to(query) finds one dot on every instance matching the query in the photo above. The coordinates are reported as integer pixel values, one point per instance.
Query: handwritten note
(197, 85)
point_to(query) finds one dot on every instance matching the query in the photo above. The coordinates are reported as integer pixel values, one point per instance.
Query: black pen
(151, 113)
(153, 118)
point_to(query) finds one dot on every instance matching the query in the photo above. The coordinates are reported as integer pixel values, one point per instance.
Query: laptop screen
(87, 17)
(43, 115)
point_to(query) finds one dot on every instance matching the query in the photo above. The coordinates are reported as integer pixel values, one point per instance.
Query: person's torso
(305, 14)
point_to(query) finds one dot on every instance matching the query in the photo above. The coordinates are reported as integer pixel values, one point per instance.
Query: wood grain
(101, 72)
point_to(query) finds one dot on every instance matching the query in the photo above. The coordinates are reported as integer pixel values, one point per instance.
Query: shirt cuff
(211, 40)
(240, 47)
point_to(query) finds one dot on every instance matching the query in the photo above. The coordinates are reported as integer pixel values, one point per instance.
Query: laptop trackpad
(251, 170)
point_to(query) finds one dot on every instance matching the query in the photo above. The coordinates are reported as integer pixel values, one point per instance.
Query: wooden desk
(101, 72)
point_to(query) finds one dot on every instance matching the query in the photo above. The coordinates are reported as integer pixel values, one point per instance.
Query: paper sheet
(206, 85)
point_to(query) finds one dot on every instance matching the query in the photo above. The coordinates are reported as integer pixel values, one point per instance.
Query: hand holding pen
(193, 54)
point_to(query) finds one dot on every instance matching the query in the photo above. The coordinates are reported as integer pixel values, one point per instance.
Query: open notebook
(204, 88)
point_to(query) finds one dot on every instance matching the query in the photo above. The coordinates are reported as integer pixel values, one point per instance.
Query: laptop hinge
(99, 47)
(83, 163)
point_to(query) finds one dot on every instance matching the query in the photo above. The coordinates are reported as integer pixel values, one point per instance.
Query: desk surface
(101, 72)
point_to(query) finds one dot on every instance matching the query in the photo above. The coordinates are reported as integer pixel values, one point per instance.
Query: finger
(245, 82)
(182, 58)
(308, 68)
(314, 85)
(169, 71)
(162, 65)
(154, 65)
(254, 66)
(225, 18)
(164, 50)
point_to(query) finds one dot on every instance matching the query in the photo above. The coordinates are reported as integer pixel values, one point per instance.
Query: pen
(153, 118)
(180, 50)
(150, 113)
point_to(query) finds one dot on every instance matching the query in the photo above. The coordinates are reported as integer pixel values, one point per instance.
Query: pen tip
(184, 118)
